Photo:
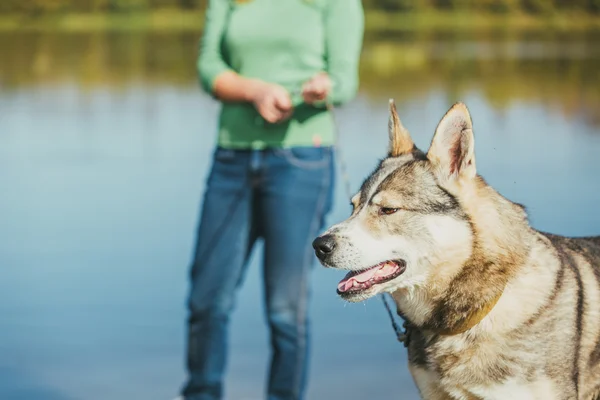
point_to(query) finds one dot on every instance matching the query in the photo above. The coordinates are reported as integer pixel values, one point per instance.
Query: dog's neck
(468, 299)
(472, 318)
(501, 244)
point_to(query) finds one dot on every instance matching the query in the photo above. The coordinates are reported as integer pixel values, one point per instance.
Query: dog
(497, 310)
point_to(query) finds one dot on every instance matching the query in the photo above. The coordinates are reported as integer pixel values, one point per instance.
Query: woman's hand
(317, 88)
(272, 102)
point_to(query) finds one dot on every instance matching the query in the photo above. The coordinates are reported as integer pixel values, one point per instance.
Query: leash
(403, 336)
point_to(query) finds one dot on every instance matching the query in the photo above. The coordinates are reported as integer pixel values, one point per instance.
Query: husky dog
(497, 310)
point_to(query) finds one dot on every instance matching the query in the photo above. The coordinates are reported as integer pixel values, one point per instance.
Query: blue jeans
(283, 196)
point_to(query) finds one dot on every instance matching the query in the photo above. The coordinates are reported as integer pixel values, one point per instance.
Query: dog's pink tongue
(380, 270)
(349, 280)
(366, 275)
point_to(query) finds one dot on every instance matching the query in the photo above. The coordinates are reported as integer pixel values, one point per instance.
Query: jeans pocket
(306, 157)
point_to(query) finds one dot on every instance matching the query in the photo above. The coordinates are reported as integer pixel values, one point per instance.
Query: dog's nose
(323, 245)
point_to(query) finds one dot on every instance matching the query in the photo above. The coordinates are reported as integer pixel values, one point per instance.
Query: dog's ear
(400, 140)
(452, 149)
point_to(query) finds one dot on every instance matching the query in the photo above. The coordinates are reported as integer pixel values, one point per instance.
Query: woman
(273, 64)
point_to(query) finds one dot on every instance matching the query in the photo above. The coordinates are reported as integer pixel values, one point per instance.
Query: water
(104, 147)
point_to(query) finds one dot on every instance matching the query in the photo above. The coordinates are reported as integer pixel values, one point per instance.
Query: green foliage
(492, 6)
(54, 6)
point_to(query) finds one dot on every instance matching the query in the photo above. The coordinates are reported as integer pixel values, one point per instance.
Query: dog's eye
(387, 211)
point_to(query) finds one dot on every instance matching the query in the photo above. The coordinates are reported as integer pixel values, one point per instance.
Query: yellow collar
(472, 319)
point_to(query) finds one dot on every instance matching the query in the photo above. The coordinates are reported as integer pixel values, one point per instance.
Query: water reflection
(559, 70)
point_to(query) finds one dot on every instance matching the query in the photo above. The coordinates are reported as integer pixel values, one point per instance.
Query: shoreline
(375, 22)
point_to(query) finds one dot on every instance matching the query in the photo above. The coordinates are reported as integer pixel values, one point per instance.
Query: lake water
(104, 149)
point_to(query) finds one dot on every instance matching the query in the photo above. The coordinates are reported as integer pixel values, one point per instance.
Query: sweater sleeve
(344, 28)
(210, 63)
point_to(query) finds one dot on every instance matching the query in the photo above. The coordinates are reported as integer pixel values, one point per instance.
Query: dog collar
(472, 319)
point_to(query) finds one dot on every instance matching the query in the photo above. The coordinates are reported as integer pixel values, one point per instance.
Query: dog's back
(581, 256)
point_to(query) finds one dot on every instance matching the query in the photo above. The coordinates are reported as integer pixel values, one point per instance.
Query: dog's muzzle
(324, 246)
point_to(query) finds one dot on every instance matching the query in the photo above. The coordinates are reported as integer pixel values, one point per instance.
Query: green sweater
(285, 42)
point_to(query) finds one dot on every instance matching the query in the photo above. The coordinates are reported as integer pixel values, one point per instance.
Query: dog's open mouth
(357, 281)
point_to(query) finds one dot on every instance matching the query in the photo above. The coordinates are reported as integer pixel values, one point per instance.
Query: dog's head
(408, 223)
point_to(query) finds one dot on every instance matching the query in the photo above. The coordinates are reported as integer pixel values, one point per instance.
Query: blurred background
(105, 140)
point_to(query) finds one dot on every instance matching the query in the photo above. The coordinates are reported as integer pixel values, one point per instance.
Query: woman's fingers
(272, 102)
(317, 88)
(282, 101)
(270, 113)
(311, 97)
(273, 113)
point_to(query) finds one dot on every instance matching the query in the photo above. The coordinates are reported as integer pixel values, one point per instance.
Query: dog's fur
(498, 310)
